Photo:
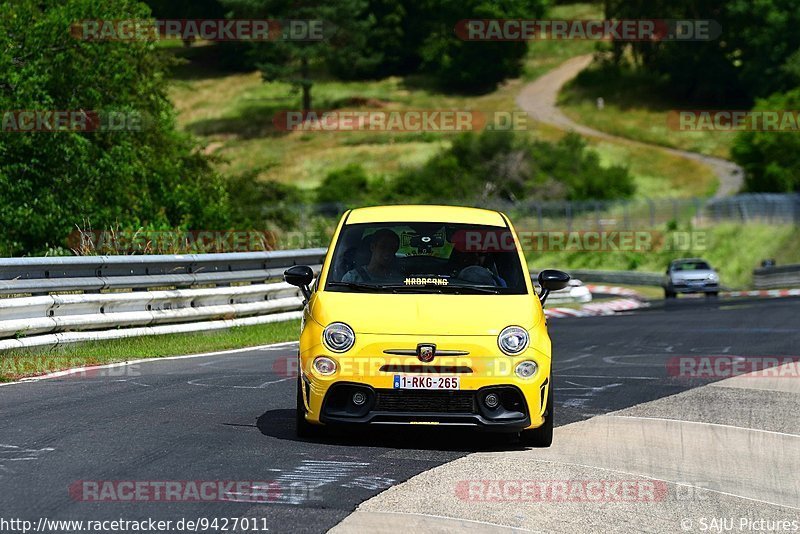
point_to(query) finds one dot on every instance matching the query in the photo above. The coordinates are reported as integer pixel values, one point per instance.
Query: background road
(539, 99)
(230, 417)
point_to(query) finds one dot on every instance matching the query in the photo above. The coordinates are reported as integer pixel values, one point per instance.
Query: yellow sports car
(425, 315)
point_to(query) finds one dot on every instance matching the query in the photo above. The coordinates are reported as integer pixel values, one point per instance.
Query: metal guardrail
(781, 277)
(633, 278)
(146, 294)
(58, 300)
(98, 273)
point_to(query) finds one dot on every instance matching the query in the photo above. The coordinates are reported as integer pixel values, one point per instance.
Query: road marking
(703, 423)
(576, 358)
(25, 455)
(614, 377)
(580, 401)
(301, 483)
(196, 382)
(520, 529)
(67, 372)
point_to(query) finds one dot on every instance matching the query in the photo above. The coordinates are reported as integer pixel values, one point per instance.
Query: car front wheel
(542, 436)
(303, 428)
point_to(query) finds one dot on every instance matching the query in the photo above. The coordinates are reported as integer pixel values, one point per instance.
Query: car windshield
(691, 266)
(410, 257)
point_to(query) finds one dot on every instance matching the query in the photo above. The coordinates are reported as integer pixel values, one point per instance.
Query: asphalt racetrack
(230, 416)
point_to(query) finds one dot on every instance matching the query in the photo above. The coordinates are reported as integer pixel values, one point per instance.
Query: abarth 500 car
(425, 315)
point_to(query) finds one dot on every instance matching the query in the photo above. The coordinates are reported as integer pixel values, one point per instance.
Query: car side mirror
(300, 276)
(551, 280)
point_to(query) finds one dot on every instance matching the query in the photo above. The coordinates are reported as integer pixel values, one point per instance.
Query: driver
(381, 267)
(474, 268)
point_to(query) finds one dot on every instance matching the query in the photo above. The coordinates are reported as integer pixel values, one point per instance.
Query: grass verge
(16, 364)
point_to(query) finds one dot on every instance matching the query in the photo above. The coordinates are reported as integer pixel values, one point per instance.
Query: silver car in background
(692, 275)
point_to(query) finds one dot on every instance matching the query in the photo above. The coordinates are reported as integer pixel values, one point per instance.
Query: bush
(502, 165)
(342, 189)
(259, 204)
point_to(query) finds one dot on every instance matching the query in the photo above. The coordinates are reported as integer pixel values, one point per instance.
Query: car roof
(426, 213)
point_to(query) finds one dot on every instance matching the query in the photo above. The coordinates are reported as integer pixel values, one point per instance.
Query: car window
(421, 257)
(691, 266)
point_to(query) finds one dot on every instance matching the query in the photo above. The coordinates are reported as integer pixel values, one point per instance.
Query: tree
(52, 182)
(472, 66)
(297, 61)
(758, 52)
(186, 9)
(771, 160)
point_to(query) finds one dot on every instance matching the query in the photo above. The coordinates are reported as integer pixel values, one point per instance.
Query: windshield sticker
(420, 281)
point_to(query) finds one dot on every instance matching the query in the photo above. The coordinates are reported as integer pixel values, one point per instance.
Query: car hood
(426, 314)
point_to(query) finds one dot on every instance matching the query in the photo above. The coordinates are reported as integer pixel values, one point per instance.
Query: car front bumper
(328, 400)
(695, 288)
(433, 407)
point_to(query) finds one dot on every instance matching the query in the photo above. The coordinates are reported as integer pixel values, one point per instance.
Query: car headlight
(713, 277)
(513, 340)
(338, 337)
(526, 369)
(324, 365)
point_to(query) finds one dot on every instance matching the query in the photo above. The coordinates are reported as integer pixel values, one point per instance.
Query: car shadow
(280, 424)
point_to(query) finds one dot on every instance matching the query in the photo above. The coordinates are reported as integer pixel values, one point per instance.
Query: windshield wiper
(477, 289)
(359, 286)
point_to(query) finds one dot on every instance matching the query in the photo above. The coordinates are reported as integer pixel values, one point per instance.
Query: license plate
(426, 382)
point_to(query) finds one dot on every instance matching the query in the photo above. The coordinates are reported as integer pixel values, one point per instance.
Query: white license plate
(426, 382)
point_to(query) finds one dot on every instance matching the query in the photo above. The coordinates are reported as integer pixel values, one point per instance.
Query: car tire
(303, 428)
(669, 294)
(541, 437)
(714, 295)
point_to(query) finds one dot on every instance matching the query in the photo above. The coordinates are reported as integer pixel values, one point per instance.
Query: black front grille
(396, 400)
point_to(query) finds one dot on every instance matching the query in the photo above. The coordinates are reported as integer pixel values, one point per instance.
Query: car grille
(393, 400)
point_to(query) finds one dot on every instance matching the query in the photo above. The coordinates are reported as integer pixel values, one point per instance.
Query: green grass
(635, 108)
(233, 115)
(734, 249)
(15, 364)
(546, 55)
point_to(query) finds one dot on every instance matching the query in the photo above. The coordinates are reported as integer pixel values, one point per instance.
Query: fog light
(526, 369)
(324, 366)
(491, 401)
(359, 398)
